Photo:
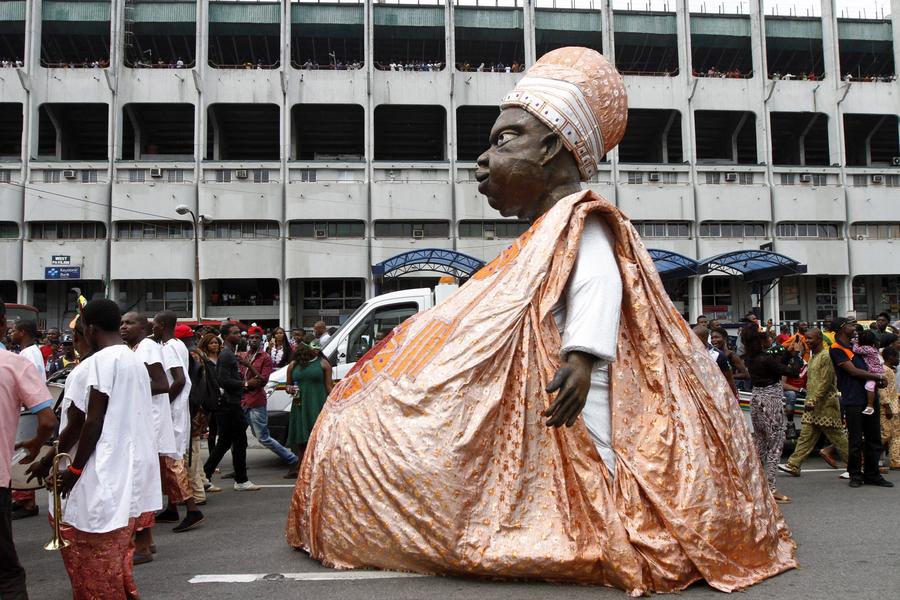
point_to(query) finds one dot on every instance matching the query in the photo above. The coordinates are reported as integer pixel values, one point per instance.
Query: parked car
(352, 340)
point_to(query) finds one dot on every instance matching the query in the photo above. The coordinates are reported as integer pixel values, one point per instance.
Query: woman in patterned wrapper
(554, 418)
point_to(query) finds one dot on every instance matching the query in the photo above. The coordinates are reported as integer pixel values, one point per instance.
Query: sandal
(781, 498)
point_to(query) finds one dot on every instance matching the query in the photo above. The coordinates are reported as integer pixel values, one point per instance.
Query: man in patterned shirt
(822, 414)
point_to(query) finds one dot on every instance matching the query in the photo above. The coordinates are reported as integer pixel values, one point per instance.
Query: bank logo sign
(62, 272)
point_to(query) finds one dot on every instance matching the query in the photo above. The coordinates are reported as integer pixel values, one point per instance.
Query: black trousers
(864, 438)
(12, 575)
(231, 434)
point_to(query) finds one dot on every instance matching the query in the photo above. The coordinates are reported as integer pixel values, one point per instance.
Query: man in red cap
(256, 366)
(176, 362)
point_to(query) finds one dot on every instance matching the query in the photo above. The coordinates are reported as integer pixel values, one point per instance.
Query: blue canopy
(754, 265)
(671, 265)
(429, 259)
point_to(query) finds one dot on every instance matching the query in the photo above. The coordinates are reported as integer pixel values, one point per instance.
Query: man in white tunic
(176, 362)
(114, 476)
(134, 330)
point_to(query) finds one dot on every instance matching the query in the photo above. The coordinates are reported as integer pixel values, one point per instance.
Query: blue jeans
(258, 418)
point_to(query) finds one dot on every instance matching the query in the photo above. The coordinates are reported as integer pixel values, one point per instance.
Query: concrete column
(528, 32)
(771, 304)
(369, 28)
(285, 72)
(844, 295)
(695, 298)
(607, 29)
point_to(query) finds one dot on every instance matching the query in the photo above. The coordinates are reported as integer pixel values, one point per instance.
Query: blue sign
(62, 272)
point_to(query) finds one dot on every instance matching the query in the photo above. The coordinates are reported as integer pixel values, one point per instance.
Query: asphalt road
(849, 547)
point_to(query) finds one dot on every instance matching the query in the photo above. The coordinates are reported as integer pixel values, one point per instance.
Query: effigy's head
(558, 123)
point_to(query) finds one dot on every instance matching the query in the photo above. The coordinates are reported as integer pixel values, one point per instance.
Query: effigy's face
(511, 173)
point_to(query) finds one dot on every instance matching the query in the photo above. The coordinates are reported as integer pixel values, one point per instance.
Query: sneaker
(212, 489)
(855, 483)
(845, 475)
(23, 513)
(247, 486)
(868, 411)
(291, 474)
(193, 518)
(786, 468)
(167, 516)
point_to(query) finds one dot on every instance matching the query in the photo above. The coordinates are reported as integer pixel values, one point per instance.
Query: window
(261, 176)
(51, 176)
(492, 229)
(412, 229)
(713, 178)
(136, 176)
(145, 230)
(307, 175)
(331, 229)
(635, 177)
(728, 229)
(827, 231)
(662, 229)
(89, 177)
(860, 180)
(787, 178)
(669, 178)
(818, 179)
(716, 293)
(154, 295)
(68, 230)
(223, 176)
(875, 231)
(892, 180)
(233, 230)
(5, 176)
(826, 298)
(745, 178)
(9, 230)
(332, 294)
(175, 175)
(374, 327)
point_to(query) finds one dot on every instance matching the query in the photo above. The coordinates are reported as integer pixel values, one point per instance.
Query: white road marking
(314, 576)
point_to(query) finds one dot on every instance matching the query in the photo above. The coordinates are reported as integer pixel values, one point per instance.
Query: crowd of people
(846, 375)
(87, 63)
(6, 63)
(499, 67)
(727, 74)
(803, 76)
(335, 65)
(121, 373)
(161, 63)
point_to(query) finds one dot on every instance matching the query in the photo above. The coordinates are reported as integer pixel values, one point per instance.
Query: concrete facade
(371, 190)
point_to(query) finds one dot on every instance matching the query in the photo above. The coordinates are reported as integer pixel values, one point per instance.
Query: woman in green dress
(309, 381)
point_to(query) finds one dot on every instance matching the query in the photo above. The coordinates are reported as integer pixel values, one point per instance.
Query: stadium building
(327, 150)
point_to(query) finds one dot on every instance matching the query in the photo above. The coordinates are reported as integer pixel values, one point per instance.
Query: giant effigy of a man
(444, 452)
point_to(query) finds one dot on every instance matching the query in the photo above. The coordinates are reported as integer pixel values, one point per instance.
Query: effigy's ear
(551, 146)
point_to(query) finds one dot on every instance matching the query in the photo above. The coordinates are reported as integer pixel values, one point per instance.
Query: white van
(368, 324)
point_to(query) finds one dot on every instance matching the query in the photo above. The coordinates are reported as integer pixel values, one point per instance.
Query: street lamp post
(181, 209)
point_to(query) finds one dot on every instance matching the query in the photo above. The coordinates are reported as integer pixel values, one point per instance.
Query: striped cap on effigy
(581, 96)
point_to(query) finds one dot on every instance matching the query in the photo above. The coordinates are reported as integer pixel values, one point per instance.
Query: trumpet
(57, 542)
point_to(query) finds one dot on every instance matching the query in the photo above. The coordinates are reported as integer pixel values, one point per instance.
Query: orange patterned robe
(432, 455)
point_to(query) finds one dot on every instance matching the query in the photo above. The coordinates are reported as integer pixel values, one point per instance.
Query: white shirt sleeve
(101, 373)
(170, 358)
(593, 295)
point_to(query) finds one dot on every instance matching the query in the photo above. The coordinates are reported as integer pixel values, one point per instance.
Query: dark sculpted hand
(572, 381)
